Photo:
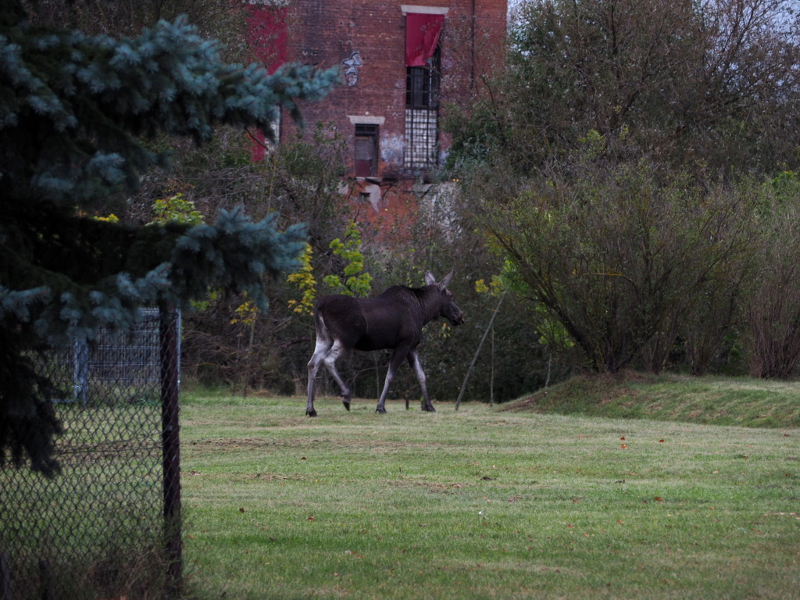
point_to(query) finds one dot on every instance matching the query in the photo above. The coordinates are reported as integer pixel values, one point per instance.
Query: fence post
(170, 384)
(5, 577)
(80, 371)
(46, 573)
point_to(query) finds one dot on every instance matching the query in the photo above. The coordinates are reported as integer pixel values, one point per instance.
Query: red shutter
(422, 36)
(266, 36)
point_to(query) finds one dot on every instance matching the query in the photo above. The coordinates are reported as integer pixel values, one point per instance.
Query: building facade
(401, 65)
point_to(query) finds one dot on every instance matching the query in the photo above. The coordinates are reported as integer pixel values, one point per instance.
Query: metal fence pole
(5, 577)
(170, 361)
(80, 371)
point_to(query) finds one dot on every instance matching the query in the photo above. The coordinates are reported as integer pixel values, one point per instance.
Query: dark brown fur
(393, 320)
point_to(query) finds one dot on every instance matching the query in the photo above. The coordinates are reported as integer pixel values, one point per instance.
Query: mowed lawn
(482, 504)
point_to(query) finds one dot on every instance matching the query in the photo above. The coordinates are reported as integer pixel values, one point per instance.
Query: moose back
(393, 321)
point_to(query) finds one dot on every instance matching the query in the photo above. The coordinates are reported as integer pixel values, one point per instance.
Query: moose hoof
(346, 404)
(311, 413)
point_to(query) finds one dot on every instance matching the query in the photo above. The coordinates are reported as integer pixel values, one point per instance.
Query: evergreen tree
(74, 113)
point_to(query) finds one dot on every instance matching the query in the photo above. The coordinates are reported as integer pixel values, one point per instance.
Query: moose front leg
(413, 361)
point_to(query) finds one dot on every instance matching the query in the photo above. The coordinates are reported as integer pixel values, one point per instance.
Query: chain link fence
(108, 526)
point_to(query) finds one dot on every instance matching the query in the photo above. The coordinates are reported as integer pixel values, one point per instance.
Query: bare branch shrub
(773, 340)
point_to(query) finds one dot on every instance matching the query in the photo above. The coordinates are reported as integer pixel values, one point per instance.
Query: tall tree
(75, 111)
(713, 82)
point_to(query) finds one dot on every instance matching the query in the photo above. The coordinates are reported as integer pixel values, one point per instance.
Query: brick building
(402, 63)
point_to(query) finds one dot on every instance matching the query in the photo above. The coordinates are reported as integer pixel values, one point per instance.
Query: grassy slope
(709, 400)
(483, 503)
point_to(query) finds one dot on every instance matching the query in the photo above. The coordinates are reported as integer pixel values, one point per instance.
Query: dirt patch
(434, 488)
(235, 444)
(244, 443)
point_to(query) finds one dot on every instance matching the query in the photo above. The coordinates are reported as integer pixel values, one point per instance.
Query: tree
(613, 160)
(710, 82)
(75, 113)
(619, 256)
(223, 20)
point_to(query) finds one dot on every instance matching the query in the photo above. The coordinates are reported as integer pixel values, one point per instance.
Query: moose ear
(429, 278)
(444, 282)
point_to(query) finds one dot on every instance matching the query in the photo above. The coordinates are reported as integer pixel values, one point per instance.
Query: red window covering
(422, 37)
(266, 37)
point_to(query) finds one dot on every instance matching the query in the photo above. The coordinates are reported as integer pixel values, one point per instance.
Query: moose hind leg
(413, 361)
(330, 363)
(323, 346)
(394, 364)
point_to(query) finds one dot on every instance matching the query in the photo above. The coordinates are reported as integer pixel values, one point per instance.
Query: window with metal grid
(422, 138)
(422, 114)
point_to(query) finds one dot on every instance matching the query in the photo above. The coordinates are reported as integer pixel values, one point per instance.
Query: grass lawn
(482, 503)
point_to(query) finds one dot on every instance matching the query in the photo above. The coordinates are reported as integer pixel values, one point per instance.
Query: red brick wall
(326, 33)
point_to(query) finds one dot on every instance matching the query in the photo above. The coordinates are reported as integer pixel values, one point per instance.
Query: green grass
(740, 401)
(482, 503)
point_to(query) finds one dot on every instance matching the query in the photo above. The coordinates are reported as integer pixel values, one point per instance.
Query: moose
(391, 321)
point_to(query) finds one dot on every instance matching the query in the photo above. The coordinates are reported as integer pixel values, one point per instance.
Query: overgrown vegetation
(632, 163)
